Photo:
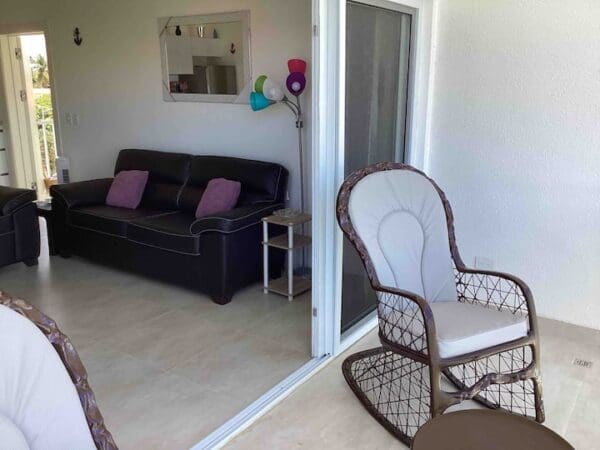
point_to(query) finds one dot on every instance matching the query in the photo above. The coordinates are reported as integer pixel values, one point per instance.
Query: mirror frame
(234, 16)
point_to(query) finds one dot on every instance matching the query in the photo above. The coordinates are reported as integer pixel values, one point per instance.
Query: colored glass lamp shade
(258, 101)
(296, 82)
(297, 65)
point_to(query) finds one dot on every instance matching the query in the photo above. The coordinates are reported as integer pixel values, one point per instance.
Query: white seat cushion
(463, 327)
(11, 438)
(36, 392)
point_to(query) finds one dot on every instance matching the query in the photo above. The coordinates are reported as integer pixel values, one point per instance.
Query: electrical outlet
(75, 119)
(484, 263)
(69, 119)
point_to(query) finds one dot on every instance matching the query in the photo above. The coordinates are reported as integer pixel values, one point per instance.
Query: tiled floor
(167, 365)
(324, 413)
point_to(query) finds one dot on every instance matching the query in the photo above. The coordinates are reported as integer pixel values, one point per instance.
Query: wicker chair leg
(540, 414)
(523, 397)
(393, 388)
(438, 404)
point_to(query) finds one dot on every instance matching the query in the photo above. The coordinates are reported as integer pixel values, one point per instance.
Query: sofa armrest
(12, 198)
(234, 220)
(82, 193)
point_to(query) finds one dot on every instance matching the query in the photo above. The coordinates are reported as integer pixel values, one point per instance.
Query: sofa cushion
(168, 232)
(168, 173)
(262, 182)
(108, 219)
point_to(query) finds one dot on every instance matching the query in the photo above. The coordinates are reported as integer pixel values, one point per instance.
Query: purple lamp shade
(296, 82)
(297, 65)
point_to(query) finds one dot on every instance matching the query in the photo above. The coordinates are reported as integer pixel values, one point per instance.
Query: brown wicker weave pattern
(402, 321)
(492, 291)
(400, 383)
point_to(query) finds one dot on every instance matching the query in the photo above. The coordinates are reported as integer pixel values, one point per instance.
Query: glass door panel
(377, 63)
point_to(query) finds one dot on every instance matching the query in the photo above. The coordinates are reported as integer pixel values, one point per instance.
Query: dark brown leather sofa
(19, 227)
(162, 239)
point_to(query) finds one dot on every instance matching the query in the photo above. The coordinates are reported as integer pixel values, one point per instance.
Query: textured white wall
(515, 142)
(113, 81)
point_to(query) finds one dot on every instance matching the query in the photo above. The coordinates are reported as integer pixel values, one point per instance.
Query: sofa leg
(221, 299)
(64, 254)
(30, 262)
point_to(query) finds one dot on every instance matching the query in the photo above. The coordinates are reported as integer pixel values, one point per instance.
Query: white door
(22, 145)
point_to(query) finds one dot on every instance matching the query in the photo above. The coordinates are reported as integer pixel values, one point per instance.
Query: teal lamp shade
(258, 101)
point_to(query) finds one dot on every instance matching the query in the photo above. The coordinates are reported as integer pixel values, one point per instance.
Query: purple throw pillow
(220, 195)
(127, 189)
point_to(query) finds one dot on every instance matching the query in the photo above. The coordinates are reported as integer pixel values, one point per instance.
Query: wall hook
(232, 48)
(77, 37)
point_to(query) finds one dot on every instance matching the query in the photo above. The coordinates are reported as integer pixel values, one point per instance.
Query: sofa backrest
(262, 182)
(168, 173)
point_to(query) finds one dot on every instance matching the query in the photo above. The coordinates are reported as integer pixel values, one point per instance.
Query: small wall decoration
(77, 37)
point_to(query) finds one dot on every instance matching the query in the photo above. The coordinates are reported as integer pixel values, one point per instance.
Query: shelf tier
(288, 221)
(280, 286)
(281, 241)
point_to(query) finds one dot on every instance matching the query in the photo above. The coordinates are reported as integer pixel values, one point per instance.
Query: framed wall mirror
(205, 58)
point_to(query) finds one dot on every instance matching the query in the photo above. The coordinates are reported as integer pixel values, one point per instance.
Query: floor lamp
(267, 92)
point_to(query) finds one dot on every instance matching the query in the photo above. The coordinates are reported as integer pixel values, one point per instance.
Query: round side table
(478, 429)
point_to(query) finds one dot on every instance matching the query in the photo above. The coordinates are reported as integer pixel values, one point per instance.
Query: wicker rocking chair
(436, 316)
(45, 398)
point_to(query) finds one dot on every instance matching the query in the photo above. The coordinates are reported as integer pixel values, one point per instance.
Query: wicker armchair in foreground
(436, 317)
(46, 401)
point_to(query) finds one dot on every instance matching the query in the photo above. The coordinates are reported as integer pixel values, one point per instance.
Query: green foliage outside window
(43, 114)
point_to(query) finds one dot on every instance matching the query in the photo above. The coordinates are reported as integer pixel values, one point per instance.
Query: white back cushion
(400, 217)
(36, 392)
(11, 437)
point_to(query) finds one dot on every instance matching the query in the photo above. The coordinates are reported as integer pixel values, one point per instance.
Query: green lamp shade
(258, 101)
(259, 83)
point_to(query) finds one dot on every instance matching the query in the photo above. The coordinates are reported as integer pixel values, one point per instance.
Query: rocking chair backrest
(398, 215)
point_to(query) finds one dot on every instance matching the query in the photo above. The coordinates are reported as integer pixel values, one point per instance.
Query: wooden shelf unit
(289, 285)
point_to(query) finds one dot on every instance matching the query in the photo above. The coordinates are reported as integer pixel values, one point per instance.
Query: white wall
(113, 81)
(515, 142)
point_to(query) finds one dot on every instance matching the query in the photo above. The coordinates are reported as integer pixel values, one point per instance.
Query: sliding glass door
(377, 67)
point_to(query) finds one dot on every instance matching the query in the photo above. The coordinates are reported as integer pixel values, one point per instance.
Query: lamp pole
(297, 111)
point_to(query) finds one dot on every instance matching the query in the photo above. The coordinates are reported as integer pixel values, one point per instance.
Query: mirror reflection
(206, 56)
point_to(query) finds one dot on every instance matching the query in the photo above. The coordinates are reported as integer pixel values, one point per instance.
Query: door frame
(328, 148)
(19, 164)
(328, 106)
